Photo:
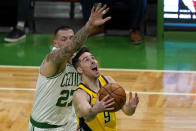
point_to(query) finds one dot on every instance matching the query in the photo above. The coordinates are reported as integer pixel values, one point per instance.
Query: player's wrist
(129, 111)
(89, 25)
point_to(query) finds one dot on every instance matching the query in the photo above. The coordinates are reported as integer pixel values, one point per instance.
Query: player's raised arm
(95, 19)
(67, 43)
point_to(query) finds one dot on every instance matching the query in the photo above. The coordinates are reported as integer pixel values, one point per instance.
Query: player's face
(63, 38)
(88, 65)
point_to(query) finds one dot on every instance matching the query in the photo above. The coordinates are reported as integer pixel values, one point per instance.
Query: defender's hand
(96, 17)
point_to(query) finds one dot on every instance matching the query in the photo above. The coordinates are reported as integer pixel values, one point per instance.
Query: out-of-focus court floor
(162, 72)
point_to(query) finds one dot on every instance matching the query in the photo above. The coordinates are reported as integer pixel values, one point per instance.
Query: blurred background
(167, 29)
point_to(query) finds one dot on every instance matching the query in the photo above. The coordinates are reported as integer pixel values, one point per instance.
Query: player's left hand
(133, 101)
(131, 104)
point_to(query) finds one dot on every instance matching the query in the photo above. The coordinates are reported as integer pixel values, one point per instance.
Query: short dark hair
(65, 27)
(75, 60)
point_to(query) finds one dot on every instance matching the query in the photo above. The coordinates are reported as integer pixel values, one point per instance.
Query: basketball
(115, 91)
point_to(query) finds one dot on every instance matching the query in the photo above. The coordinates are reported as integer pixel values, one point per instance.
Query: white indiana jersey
(53, 97)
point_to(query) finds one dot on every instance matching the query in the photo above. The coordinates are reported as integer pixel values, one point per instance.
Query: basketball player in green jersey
(57, 80)
(92, 114)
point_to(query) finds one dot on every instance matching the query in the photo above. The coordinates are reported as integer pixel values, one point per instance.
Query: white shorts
(68, 127)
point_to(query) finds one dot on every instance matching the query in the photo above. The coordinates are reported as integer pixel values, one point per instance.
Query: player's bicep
(53, 63)
(81, 102)
(48, 68)
(60, 55)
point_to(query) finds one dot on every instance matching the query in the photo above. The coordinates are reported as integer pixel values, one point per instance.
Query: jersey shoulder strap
(103, 81)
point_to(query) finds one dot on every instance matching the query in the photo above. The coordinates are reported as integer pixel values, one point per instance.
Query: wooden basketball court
(167, 99)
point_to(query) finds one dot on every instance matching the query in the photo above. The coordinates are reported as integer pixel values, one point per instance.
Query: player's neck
(91, 83)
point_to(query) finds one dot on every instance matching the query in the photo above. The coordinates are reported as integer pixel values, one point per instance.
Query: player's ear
(79, 70)
(55, 43)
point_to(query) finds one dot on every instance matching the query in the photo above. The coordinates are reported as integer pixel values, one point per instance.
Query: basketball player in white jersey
(52, 109)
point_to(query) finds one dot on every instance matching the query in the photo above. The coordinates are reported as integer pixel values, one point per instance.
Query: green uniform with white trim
(53, 101)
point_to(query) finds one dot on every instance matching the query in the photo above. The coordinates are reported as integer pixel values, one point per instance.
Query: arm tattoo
(80, 37)
(59, 55)
(67, 51)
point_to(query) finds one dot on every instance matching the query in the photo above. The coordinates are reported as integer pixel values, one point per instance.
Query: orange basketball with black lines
(115, 91)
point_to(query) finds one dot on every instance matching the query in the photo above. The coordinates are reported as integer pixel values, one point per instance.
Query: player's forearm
(77, 41)
(64, 53)
(90, 114)
(81, 36)
(60, 55)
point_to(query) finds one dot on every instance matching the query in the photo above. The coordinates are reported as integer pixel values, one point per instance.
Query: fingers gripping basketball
(115, 91)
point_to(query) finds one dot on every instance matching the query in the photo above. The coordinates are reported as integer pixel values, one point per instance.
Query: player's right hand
(104, 105)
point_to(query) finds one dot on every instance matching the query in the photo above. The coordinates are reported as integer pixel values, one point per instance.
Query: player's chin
(96, 74)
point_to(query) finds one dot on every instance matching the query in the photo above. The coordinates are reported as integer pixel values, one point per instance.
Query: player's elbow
(86, 114)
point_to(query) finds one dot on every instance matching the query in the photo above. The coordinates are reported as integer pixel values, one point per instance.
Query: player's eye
(87, 59)
(93, 57)
(63, 39)
(71, 37)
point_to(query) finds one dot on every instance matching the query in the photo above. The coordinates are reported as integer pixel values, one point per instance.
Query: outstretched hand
(96, 17)
(131, 104)
(133, 101)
